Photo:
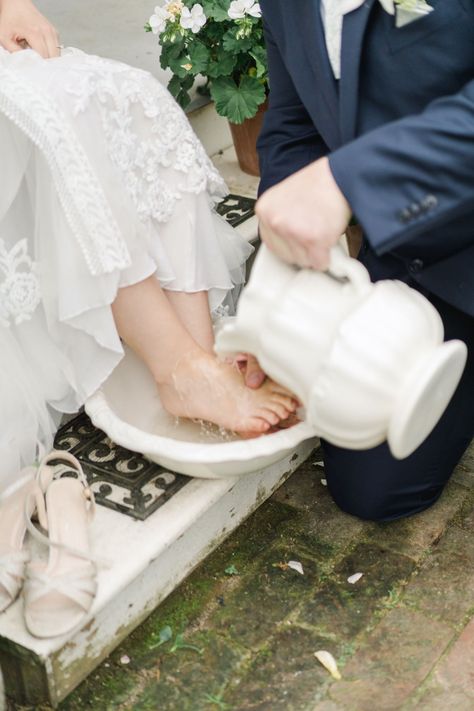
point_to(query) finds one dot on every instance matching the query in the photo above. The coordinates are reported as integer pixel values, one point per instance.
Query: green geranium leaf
(237, 102)
(223, 65)
(199, 57)
(234, 44)
(179, 89)
(260, 56)
(216, 9)
(170, 52)
(180, 66)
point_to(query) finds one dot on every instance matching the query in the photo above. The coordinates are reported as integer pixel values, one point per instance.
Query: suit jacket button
(429, 202)
(415, 266)
(405, 215)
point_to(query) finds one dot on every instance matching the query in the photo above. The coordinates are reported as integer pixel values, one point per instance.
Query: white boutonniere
(406, 11)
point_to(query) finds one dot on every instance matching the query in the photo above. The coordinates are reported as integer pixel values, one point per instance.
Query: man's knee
(373, 486)
(368, 510)
(381, 507)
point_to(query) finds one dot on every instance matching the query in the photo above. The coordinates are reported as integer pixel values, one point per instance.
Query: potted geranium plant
(221, 40)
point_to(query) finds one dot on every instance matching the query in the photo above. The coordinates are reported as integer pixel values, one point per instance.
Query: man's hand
(21, 25)
(302, 217)
(250, 368)
(253, 374)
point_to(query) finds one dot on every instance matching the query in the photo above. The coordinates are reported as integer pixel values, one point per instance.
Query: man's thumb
(254, 375)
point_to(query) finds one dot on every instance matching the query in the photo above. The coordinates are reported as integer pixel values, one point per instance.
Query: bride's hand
(21, 25)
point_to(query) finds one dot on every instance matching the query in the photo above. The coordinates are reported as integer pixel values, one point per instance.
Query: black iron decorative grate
(120, 479)
(236, 209)
(123, 480)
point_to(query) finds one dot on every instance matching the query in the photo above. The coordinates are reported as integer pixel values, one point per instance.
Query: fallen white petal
(125, 659)
(354, 578)
(324, 482)
(328, 662)
(296, 565)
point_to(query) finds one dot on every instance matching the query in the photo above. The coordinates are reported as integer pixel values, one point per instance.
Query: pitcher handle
(342, 266)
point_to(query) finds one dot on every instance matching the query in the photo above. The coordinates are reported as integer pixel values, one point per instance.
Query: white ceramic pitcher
(367, 360)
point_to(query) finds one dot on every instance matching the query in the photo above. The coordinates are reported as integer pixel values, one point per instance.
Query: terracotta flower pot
(245, 137)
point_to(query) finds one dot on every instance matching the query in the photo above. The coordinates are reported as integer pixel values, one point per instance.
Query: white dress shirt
(332, 15)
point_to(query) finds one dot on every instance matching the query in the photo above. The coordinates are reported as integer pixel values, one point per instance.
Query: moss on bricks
(188, 678)
(344, 609)
(266, 596)
(285, 676)
(106, 690)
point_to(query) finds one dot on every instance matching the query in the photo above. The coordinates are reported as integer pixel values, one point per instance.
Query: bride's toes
(280, 410)
(254, 426)
(286, 401)
(269, 414)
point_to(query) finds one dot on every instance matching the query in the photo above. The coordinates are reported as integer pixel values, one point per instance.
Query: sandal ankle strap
(12, 571)
(45, 477)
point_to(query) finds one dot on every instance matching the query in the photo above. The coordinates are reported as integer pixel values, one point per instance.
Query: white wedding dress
(102, 184)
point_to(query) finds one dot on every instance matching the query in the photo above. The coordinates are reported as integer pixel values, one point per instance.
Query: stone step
(147, 560)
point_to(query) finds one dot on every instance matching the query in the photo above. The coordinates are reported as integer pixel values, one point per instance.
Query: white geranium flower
(159, 19)
(193, 19)
(239, 8)
(255, 10)
(175, 7)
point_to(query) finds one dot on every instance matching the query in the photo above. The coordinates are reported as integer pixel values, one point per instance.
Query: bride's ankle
(184, 368)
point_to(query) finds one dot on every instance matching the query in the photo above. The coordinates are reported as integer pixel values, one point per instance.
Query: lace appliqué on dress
(20, 290)
(147, 133)
(79, 190)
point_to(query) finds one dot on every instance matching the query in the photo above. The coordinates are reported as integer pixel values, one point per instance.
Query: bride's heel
(59, 594)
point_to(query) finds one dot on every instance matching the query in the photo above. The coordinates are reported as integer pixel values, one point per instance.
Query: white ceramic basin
(128, 409)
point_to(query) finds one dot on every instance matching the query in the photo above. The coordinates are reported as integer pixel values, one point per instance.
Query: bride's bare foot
(204, 388)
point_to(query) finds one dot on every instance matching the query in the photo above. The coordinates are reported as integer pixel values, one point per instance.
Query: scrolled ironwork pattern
(121, 480)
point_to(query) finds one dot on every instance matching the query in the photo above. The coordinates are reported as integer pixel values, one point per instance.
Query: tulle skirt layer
(102, 185)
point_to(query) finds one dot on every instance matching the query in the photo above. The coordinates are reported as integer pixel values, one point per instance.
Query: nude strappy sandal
(59, 594)
(12, 534)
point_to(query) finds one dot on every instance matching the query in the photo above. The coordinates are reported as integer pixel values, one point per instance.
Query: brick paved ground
(403, 635)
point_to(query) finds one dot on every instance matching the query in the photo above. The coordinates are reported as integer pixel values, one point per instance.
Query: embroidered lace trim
(80, 193)
(126, 96)
(20, 290)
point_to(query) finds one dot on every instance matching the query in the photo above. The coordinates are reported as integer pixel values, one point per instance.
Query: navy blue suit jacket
(398, 128)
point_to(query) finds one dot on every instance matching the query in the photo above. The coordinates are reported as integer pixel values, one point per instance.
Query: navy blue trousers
(373, 485)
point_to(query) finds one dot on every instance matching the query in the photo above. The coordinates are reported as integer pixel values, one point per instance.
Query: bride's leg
(193, 312)
(191, 381)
